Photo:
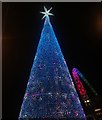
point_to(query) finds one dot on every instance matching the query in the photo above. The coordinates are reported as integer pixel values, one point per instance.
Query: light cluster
(50, 92)
(79, 84)
(86, 81)
(77, 75)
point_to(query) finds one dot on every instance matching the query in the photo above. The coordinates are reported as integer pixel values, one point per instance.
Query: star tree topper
(47, 12)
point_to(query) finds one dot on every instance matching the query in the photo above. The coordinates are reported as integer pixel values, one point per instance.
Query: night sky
(78, 29)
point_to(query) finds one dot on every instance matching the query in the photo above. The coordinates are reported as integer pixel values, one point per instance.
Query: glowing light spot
(47, 12)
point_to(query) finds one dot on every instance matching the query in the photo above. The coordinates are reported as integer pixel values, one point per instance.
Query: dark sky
(78, 29)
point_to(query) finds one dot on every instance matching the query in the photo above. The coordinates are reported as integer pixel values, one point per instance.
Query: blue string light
(50, 91)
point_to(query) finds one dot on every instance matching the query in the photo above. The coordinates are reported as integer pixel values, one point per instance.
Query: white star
(47, 12)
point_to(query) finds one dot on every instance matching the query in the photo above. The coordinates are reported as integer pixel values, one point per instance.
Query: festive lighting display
(88, 84)
(50, 91)
(80, 87)
(78, 83)
(76, 73)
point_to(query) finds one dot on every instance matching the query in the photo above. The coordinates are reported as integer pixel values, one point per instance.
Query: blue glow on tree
(50, 91)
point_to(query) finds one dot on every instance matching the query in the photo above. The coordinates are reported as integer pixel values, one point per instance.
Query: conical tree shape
(50, 92)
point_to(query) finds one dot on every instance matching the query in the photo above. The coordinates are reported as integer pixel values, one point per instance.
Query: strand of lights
(80, 87)
(78, 83)
(85, 80)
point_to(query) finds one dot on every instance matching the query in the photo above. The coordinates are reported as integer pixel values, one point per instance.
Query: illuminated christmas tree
(50, 91)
